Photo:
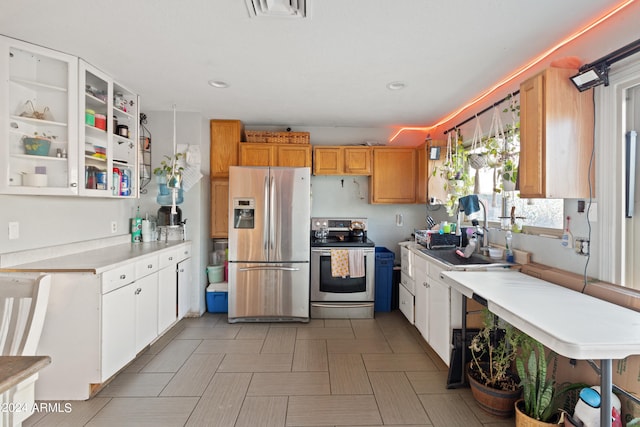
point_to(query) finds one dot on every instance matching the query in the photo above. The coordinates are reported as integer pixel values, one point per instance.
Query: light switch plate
(14, 230)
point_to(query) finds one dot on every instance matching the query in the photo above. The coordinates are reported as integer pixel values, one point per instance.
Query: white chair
(23, 306)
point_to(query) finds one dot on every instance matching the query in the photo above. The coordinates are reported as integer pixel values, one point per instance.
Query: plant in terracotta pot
(542, 399)
(494, 384)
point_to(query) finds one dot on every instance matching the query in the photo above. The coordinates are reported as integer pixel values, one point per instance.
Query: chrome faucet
(482, 231)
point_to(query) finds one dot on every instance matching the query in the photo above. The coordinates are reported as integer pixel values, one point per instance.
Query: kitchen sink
(449, 257)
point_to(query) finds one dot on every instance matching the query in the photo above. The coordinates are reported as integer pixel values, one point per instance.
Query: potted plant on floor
(494, 385)
(542, 400)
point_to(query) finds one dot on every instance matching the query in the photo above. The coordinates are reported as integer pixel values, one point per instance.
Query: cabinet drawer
(406, 261)
(183, 253)
(408, 283)
(168, 257)
(406, 303)
(146, 266)
(118, 277)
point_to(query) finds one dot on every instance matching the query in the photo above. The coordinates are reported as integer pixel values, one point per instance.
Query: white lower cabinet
(427, 302)
(184, 286)
(118, 332)
(167, 297)
(146, 300)
(422, 297)
(97, 323)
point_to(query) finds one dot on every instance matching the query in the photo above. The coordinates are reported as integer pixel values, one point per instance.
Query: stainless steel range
(342, 269)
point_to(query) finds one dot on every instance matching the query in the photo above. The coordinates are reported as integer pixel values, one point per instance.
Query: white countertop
(574, 325)
(93, 261)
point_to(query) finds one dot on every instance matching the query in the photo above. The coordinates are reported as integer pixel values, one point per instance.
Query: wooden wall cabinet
(268, 154)
(556, 136)
(394, 175)
(225, 138)
(220, 208)
(342, 160)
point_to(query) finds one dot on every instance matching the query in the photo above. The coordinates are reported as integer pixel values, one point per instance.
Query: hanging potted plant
(169, 178)
(455, 172)
(494, 385)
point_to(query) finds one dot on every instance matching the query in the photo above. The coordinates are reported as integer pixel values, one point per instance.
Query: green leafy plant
(454, 171)
(170, 171)
(542, 398)
(493, 350)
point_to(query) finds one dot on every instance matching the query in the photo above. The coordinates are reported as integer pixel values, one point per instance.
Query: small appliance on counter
(171, 227)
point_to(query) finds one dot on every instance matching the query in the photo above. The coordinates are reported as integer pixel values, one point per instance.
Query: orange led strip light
(519, 71)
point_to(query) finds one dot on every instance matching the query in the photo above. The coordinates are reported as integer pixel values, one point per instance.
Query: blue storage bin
(384, 279)
(217, 298)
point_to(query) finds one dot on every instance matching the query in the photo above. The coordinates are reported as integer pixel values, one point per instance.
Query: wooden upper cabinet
(556, 136)
(341, 160)
(394, 175)
(268, 154)
(328, 161)
(357, 160)
(294, 155)
(225, 138)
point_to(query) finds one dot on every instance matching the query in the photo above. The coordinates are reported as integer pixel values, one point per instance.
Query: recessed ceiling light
(218, 84)
(396, 85)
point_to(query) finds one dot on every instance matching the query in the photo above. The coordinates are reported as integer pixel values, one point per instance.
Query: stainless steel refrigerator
(269, 244)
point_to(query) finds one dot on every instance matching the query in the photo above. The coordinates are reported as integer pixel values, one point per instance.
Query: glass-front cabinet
(66, 127)
(108, 136)
(38, 110)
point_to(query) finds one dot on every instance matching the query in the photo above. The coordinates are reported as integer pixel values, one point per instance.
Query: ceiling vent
(277, 8)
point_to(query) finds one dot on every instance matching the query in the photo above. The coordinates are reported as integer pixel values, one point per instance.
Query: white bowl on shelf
(34, 180)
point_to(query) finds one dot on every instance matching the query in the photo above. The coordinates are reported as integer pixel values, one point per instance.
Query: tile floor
(332, 372)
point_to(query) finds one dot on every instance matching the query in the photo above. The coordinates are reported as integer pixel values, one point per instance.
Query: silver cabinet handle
(138, 291)
(123, 276)
(268, 267)
(150, 266)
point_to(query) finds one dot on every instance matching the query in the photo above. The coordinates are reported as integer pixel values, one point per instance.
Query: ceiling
(328, 69)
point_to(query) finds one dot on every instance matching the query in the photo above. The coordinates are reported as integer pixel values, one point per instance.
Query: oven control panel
(336, 224)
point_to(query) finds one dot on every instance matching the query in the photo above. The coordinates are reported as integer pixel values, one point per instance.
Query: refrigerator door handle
(265, 232)
(269, 267)
(272, 204)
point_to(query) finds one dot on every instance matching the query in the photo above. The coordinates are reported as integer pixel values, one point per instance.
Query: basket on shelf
(36, 146)
(278, 137)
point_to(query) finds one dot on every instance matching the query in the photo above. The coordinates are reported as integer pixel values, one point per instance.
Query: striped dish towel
(356, 263)
(339, 263)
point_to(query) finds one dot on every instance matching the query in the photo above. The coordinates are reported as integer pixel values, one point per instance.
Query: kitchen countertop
(93, 261)
(573, 324)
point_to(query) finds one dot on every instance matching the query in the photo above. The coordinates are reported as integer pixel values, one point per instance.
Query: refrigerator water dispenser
(243, 213)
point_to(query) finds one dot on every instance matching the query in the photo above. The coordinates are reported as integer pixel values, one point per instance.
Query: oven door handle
(342, 305)
(269, 267)
(324, 252)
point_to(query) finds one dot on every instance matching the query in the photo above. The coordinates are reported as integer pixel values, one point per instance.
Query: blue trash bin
(384, 279)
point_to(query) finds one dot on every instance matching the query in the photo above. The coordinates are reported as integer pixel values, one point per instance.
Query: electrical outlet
(399, 220)
(14, 230)
(114, 227)
(582, 246)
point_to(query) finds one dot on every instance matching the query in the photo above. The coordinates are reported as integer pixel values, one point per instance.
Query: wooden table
(14, 370)
(570, 323)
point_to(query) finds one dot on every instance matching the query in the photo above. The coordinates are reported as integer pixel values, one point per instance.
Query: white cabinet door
(439, 319)
(39, 91)
(406, 303)
(184, 287)
(146, 310)
(167, 297)
(422, 297)
(406, 261)
(118, 329)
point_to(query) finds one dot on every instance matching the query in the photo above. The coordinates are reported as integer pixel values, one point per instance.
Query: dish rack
(432, 239)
